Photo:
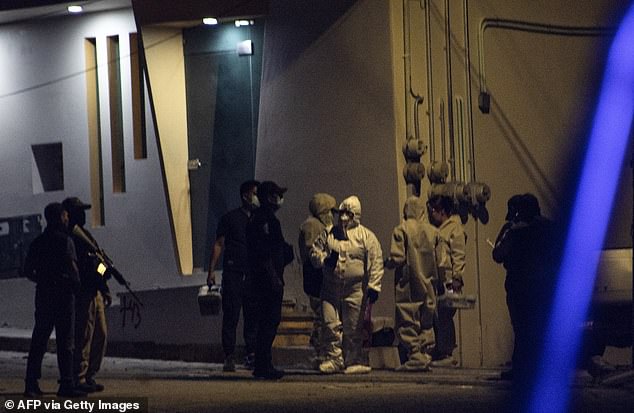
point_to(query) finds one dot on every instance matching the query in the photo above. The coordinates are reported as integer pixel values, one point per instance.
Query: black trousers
(268, 306)
(445, 332)
(234, 298)
(529, 311)
(54, 308)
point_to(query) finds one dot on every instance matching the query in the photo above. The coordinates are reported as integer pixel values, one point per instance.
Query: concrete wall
(327, 122)
(43, 100)
(335, 113)
(542, 89)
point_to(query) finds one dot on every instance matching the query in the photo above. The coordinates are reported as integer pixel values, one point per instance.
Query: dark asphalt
(171, 386)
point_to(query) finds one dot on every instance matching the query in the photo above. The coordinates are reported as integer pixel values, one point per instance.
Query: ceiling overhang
(150, 12)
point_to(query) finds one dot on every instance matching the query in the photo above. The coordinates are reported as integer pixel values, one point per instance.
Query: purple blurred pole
(595, 196)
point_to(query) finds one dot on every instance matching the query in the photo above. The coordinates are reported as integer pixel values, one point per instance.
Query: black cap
(74, 203)
(267, 188)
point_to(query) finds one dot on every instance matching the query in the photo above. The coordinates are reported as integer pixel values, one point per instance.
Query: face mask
(251, 202)
(344, 219)
(326, 218)
(275, 201)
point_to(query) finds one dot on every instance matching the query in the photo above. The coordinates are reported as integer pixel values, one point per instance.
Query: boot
(32, 389)
(67, 390)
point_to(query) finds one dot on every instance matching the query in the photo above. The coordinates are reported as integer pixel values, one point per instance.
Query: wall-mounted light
(245, 48)
(75, 9)
(210, 21)
(239, 23)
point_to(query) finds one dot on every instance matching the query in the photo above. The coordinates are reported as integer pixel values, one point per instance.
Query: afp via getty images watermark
(128, 405)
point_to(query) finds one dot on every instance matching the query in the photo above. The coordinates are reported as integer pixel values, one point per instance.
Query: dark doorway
(223, 95)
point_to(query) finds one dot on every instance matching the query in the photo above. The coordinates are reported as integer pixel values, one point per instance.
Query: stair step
(291, 340)
(298, 316)
(291, 330)
(297, 324)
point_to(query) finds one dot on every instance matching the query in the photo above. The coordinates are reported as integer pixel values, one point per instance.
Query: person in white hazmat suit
(321, 219)
(420, 256)
(442, 214)
(352, 262)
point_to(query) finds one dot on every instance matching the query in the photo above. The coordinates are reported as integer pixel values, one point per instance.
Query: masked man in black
(231, 239)
(269, 253)
(51, 263)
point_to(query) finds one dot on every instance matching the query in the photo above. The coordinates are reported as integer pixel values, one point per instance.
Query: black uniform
(527, 251)
(50, 262)
(268, 255)
(232, 227)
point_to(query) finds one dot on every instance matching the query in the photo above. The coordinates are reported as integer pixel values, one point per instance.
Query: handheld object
(209, 300)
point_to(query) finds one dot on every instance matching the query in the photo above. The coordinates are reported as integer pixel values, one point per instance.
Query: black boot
(68, 390)
(32, 389)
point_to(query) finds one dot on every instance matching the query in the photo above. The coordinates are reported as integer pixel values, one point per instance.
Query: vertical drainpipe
(469, 95)
(416, 185)
(406, 64)
(449, 92)
(430, 91)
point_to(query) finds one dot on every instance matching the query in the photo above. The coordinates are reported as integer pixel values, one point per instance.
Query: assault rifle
(108, 265)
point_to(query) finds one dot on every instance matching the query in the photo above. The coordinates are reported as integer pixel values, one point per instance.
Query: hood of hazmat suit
(414, 208)
(320, 206)
(352, 204)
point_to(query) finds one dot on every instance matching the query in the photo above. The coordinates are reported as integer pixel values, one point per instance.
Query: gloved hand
(456, 285)
(331, 260)
(107, 298)
(333, 244)
(389, 264)
(211, 279)
(373, 295)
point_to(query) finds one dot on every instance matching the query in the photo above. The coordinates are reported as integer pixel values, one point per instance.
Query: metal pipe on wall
(430, 89)
(441, 117)
(518, 25)
(406, 64)
(467, 56)
(418, 99)
(414, 146)
(449, 90)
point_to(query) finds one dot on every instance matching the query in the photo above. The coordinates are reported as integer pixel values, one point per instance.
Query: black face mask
(275, 203)
(77, 217)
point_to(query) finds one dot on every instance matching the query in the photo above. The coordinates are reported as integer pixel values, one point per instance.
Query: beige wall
(334, 120)
(327, 124)
(542, 88)
(165, 61)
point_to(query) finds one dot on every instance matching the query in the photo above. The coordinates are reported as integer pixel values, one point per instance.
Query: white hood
(353, 205)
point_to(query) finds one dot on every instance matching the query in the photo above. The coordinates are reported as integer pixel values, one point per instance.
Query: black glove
(389, 264)
(331, 261)
(373, 295)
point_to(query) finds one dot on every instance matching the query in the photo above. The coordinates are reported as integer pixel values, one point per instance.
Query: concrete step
(295, 325)
(293, 356)
(291, 340)
(295, 328)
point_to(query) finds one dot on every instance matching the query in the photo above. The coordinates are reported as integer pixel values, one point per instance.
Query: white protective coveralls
(353, 263)
(454, 235)
(420, 256)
